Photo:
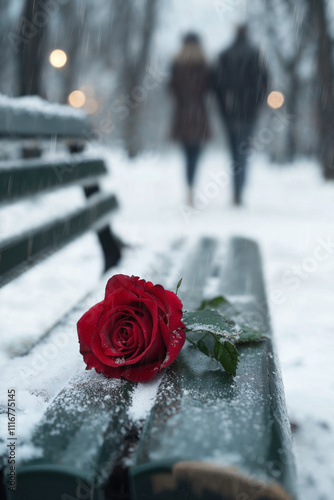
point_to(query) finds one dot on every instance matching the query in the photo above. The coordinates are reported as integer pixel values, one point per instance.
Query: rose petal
(117, 282)
(175, 322)
(109, 319)
(87, 325)
(135, 332)
(127, 340)
(174, 301)
(121, 297)
(151, 317)
(175, 311)
(108, 327)
(160, 294)
(157, 349)
(131, 283)
(134, 374)
(142, 373)
(142, 283)
(107, 351)
(165, 332)
(174, 347)
(93, 362)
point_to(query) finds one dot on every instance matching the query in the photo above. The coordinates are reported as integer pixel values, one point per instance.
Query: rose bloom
(135, 332)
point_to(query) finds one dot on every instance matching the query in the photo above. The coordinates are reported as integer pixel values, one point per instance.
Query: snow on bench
(31, 116)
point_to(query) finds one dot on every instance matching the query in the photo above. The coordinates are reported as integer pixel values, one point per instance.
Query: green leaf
(215, 303)
(203, 347)
(178, 285)
(216, 350)
(248, 334)
(227, 355)
(221, 305)
(230, 313)
(209, 321)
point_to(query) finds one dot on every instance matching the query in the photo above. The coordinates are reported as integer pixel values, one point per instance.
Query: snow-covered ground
(288, 210)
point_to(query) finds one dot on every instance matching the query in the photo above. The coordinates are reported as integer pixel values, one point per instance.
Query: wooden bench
(25, 178)
(207, 436)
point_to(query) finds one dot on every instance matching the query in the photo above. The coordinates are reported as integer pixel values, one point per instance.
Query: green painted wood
(30, 177)
(211, 435)
(24, 250)
(33, 117)
(80, 438)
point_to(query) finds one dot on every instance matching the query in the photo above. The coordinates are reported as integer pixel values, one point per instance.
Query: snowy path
(288, 210)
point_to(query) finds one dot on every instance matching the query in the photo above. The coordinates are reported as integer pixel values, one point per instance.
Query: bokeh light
(58, 58)
(77, 99)
(275, 99)
(91, 105)
(88, 90)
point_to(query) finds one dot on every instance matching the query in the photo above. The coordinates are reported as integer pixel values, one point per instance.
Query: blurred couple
(239, 81)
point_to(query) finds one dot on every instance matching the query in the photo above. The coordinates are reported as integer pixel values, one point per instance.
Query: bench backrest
(33, 117)
(20, 179)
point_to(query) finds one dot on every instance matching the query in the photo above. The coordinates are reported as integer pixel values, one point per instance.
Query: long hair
(191, 51)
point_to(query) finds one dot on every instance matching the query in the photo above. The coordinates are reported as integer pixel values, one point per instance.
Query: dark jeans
(192, 152)
(238, 137)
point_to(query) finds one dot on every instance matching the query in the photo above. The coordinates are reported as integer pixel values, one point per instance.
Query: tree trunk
(3, 32)
(289, 63)
(134, 72)
(325, 93)
(292, 110)
(73, 20)
(31, 52)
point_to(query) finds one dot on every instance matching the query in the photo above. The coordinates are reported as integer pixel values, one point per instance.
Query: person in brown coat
(189, 84)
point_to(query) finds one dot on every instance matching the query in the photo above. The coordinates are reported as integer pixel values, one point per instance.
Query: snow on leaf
(209, 321)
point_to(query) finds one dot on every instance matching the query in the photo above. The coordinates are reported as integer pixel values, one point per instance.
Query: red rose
(135, 332)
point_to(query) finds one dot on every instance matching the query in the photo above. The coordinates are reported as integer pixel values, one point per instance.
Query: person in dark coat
(240, 82)
(189, 84)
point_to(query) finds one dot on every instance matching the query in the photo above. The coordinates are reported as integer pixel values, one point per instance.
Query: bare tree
(73, 19)
(4, 4)
(310, 30)
(138, 23)
(32, 50)
(5, 47)
(287, 32)
(325, 87)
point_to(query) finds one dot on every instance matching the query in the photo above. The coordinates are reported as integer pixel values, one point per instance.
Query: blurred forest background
(119, 54)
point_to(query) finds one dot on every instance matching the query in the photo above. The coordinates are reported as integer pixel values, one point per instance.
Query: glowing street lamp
(58, 58)
(77, 99)
(275, 99)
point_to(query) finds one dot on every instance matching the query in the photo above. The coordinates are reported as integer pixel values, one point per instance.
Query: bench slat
(196, 269)
(21, 252)
(84, 420)
(211, 436)
(31, 177)
(34, 117)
